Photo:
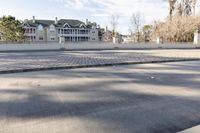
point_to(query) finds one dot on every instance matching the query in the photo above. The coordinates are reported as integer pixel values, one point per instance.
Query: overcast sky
(95, 10)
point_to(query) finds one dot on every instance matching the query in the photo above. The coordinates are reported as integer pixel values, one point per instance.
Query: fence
(92, 46)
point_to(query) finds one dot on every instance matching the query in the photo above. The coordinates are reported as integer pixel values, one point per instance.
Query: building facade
(52, 30)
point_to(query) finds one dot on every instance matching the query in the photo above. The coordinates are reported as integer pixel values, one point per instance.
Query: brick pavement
(34, 61)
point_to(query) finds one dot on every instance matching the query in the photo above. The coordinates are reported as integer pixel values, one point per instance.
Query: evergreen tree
(12, 29)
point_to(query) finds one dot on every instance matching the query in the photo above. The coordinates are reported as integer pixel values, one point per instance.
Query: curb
(92, 66)
(95, 49)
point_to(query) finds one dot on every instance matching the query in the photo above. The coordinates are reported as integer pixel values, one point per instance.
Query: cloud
(98, 9)
(121, 7)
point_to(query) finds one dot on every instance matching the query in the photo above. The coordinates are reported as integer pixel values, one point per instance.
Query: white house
(127, 39)
(51, 30)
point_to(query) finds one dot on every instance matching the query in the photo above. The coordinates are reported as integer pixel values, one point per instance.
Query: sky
(99, 11)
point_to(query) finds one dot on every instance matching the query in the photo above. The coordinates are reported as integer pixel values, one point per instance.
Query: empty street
(139, 98)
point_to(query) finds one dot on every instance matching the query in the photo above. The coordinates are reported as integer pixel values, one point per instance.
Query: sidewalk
(195, 129)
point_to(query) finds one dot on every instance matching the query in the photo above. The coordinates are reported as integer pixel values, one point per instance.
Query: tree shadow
(105, 100)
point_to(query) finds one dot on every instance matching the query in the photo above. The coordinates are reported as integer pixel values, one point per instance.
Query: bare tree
(147, 30)
(182, 7)
(136, 25)
(114, 23)
(179, 29)
(193, 3)
(171, 7)
(179, 9)
(187, 9)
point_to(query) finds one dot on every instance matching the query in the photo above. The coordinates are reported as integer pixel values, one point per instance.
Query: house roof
(72, 23)
(46, 23)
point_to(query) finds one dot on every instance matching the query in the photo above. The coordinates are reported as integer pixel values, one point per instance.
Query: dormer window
(26, 25)
(66, 25)
(82, 26)
(94, 27)
(52, 28)
(40, 28)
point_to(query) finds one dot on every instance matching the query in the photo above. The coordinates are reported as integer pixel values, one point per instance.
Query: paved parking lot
(154, 98)
(42, 60)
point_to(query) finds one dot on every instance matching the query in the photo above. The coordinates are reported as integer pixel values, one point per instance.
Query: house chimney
(106, 28)
(26, 20)
(56, 20)
(87, 22)
(33, 19)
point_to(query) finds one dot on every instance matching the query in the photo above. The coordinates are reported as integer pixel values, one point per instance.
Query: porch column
(197, 37)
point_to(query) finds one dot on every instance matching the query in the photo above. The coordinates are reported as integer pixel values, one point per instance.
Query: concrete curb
(103, 49)
(92, 66)
(195, 129)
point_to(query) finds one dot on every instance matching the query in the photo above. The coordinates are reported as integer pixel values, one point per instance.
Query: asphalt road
(154, 98)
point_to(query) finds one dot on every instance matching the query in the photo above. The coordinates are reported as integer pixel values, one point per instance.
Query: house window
(65, 31)
(66, 25)
(52, 38)
(40, 28)
(52, 28)
(27, 31)
(87, 32)
(41, 38)
(93, 39)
